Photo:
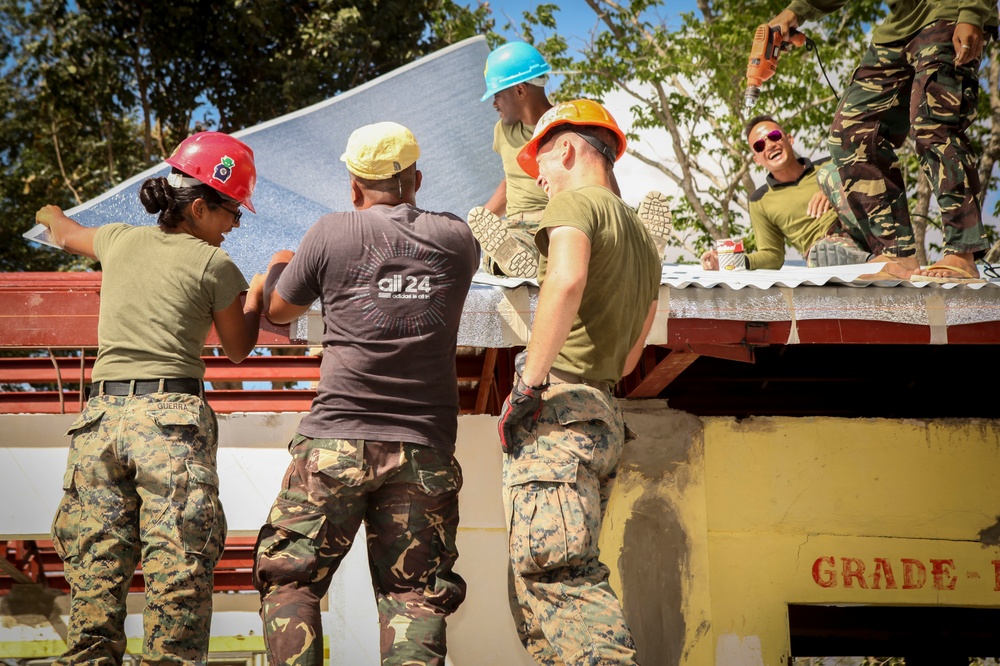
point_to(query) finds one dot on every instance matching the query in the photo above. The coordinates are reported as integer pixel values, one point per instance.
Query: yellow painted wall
(771, 511)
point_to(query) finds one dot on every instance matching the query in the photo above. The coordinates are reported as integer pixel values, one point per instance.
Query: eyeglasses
(237, 214)
(773, 135)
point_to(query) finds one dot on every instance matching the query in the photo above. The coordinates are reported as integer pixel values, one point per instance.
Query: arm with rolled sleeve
(810, 10)
(977, 12)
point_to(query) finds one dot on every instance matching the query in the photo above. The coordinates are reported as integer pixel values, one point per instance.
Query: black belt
(563, 377)
(147, 386)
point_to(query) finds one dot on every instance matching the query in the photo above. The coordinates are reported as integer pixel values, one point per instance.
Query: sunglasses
(773, 135)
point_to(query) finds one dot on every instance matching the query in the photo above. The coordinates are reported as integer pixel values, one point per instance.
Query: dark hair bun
(156, 195)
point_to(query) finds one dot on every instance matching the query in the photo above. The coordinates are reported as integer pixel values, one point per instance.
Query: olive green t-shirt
(907, 17)
(523, 193)
(158, 293)
(623, 279)
(779, 212)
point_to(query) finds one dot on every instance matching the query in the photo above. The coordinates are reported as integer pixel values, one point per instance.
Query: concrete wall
(714, 527)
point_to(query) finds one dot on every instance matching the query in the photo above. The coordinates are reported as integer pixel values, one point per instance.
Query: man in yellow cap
(378, 445)
(561, 428)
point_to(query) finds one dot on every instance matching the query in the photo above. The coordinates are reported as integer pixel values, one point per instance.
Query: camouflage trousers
(141, 485)
(556, 490)
(847, 223)
(522, 226)
(912, 88)
(407, 496)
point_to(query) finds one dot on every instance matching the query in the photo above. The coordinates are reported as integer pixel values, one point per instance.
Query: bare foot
(895, 267)
(964, 263)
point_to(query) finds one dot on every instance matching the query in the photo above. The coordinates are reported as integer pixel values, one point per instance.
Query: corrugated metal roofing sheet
(499, 310)
(687, 275)
(682, 276)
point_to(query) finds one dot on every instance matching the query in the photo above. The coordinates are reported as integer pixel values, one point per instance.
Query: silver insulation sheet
(301, 177)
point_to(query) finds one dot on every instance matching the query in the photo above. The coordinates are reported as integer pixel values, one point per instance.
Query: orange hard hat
(579, 112)
(220, 161)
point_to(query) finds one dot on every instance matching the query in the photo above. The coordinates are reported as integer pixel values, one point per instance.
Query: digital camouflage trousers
(910, 89)
(556, 489)
(141, 486)
(407, 497)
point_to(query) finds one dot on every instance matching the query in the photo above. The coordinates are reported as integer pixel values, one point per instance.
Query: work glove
(520, 409)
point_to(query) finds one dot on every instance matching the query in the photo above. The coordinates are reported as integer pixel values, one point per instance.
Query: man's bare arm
(558, 300)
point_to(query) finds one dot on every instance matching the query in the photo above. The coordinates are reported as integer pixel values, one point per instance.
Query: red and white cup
(731, 257)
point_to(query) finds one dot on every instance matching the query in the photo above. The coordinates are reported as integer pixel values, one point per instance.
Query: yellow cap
(380, 150)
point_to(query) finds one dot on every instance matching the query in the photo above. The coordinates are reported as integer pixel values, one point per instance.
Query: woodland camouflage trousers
(141, 483)
(556, 489)
(407, 496)
(910, 88)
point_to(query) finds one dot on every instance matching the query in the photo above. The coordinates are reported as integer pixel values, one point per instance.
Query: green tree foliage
(62, 131)
(94, 91)
(686, 84)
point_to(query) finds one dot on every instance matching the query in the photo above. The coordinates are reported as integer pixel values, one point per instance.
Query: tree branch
(991, 149)
(62, 169)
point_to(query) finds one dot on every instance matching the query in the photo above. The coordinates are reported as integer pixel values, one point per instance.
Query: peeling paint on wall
(653, 564)
(991, 535)
(733, 650)
(656, 548)
(664, 441)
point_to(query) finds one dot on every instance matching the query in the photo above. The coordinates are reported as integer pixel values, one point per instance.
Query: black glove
(520, 410)
(523, 403)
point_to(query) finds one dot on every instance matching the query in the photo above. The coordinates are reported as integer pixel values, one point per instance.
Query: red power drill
(768, 43)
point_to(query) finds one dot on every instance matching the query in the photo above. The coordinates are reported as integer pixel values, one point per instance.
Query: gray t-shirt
(392, 283)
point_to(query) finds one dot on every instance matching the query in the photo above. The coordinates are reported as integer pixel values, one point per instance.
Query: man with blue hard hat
(515, 79)
(516, 74)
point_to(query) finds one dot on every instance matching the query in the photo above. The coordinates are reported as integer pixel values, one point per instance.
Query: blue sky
(574, 18)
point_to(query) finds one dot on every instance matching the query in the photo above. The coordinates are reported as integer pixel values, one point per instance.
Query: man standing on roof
(561, 428)
(378, 444)
(516, 74)
(919, 77)
(799, 203)
(505, 227)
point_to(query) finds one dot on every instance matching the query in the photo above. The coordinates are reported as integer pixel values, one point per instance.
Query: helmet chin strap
(599, 146)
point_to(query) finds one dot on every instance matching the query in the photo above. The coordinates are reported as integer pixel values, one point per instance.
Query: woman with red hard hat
(141, 484)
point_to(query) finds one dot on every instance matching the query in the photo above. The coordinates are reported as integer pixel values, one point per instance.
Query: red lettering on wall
(911, 567)
(877, 573)
(828, 578)
(940, 569)
(854, 569)
(883, 570)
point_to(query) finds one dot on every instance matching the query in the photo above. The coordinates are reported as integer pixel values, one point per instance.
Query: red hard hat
(221, 162)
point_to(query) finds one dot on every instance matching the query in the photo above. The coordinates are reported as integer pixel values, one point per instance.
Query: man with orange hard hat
(561, 429)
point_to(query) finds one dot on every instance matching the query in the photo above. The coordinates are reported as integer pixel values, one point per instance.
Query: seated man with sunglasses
(797, 204)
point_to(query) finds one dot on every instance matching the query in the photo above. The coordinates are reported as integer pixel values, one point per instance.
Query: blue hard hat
(510, 64)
